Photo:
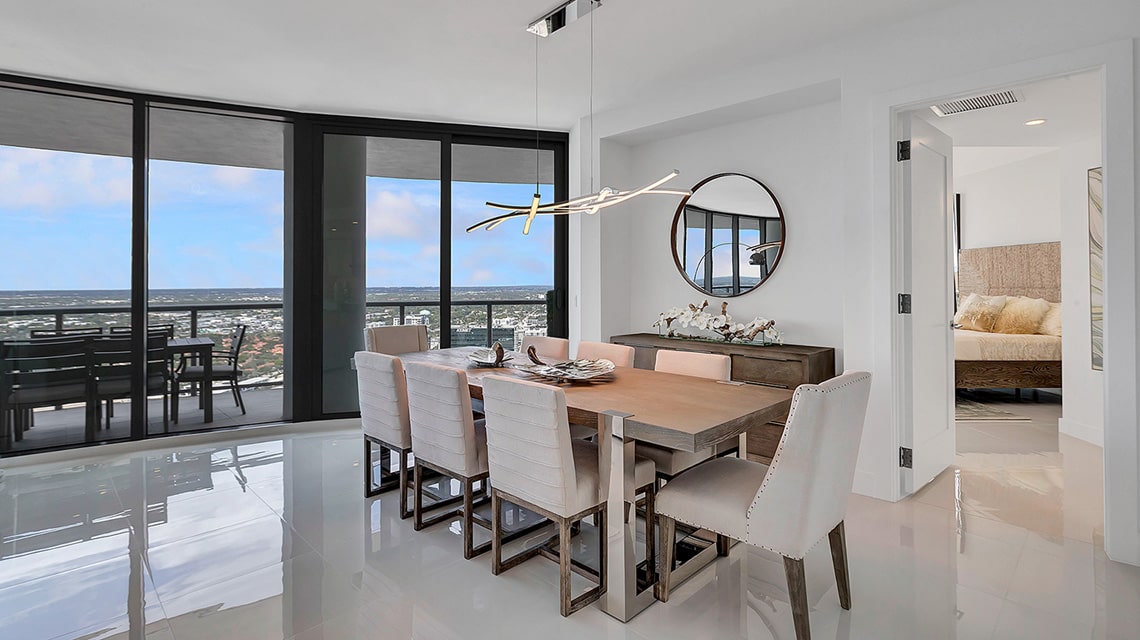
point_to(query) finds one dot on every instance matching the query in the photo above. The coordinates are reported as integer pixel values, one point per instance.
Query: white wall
(1083, 388)
(1016, 203)
(804, 294)
(965, 47)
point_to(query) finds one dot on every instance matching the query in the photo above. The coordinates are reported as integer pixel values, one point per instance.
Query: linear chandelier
(588, 204)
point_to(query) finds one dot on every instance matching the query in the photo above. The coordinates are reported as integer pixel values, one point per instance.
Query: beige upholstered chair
(547, 346)
(448, 440)
(786, 507)
(619, 354)
(670, 462)
(384, 419)
(536, 465)
(397, 339)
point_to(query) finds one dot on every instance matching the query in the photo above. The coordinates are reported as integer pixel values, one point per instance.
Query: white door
(927, 401)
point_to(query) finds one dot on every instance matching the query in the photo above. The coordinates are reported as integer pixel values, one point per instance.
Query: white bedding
(978, 345)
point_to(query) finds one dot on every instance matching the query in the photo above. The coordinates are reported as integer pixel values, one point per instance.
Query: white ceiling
(443, 60)
(1069, 104)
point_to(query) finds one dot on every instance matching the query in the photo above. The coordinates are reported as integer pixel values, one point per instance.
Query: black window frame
(303, 285)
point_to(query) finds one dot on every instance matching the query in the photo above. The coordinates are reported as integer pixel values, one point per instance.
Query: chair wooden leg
(723, 544)
(668, 545)
(650, 534)
(838, 541)
(405, 513)
(418, 499)
(797, 591)
(564, 567)
(496, 533)
(468, 521)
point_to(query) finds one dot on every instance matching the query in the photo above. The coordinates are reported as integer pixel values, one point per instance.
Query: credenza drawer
(787, 374)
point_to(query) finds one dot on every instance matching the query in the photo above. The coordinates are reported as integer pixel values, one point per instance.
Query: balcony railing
(60, 315)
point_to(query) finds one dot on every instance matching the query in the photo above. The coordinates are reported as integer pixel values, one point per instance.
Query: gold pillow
(979, 313)
(1051, 323)
(1021, 315)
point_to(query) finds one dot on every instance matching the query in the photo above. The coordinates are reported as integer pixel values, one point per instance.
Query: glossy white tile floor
(271, 538)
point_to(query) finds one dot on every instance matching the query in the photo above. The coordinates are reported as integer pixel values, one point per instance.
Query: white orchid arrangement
(721, 324)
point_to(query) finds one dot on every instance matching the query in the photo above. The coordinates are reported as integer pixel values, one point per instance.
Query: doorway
(1026, 350)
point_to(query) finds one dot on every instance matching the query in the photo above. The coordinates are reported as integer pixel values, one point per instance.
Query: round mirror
(728, 236)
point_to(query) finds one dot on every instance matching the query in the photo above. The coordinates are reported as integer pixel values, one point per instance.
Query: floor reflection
(270, 537)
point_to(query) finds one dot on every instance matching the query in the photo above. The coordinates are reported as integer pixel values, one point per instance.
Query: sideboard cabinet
(786, 366)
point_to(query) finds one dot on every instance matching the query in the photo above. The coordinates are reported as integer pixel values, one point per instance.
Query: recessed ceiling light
(1035, 122)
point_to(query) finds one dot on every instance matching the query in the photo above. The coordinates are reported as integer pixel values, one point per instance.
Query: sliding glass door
(396, 251)
(216, 266)
(65, 238)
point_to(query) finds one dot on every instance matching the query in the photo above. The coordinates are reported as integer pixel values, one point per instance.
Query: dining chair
(112, 359)
(43, 372)
(448, 440)
(228, 372)
(786, 507)
(535, 464)
(670, 462)
(546, 346)
(619, 354)
(384, 418)
(396, 339)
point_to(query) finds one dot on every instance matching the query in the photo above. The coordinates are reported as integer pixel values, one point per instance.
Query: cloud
(234, 177)
(53, 180)
(401, 215)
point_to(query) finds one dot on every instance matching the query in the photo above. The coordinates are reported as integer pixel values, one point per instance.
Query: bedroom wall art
(1096, 264)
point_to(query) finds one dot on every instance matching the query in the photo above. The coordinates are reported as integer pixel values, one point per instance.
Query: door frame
(1115, 63)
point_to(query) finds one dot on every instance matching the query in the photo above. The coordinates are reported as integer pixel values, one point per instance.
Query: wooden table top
(679, 412)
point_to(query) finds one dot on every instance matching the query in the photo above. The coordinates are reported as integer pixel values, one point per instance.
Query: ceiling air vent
(973, 104)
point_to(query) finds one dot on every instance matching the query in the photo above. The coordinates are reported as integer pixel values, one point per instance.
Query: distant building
(468, 337)
(423, 317)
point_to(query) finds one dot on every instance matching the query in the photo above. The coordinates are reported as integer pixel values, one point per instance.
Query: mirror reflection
(728, 236)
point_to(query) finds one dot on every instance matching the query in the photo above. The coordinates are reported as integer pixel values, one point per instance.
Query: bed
(997, 360)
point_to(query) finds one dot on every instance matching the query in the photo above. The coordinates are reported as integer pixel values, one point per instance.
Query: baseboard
(1070, 427)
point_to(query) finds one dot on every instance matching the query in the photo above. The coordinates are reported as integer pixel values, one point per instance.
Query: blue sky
(65, 224)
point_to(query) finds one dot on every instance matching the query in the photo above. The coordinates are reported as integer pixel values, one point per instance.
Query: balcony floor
(63, 427)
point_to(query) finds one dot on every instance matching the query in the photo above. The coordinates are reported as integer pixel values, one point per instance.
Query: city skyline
(221, 227)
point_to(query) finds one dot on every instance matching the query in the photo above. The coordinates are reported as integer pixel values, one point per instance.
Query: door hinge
(904, 303)
(906, 458)
(904, 150)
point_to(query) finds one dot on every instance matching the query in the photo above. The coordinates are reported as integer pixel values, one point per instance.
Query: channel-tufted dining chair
(448, 440)
(546, 346)
(535, 464)
(670, 462)
(385, 421)
(396, 339)
(619, 354)
(786, 507)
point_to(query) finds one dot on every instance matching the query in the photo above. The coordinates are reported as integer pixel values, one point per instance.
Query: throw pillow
(979, 313)
(1021, 315)
(1051, 323)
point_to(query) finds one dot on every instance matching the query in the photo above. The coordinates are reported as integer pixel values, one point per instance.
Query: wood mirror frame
(677, 218)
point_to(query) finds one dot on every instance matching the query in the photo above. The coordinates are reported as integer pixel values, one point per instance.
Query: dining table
(628, 406)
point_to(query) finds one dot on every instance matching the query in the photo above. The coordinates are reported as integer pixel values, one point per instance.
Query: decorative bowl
(571, 370)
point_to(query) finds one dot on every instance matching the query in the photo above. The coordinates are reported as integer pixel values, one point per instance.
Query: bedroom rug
(970, 411)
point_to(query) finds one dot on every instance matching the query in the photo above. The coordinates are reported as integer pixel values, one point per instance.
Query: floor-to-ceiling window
(140, 234)
(216, 261)
(65, 248)
(396, 250)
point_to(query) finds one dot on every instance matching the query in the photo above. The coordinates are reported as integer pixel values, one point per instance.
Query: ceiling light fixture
(557, 19)
(1035, 122)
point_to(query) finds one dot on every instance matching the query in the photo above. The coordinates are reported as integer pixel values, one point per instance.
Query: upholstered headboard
(1031, 270)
